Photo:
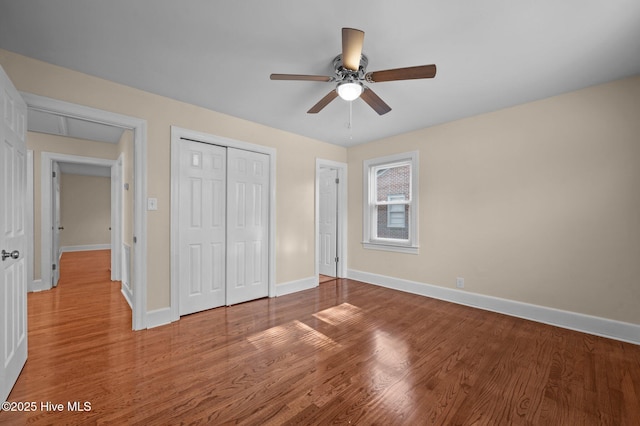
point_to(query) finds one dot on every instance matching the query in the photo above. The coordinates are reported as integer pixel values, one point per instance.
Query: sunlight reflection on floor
(390, 372)
(290, 334)
(343, 313)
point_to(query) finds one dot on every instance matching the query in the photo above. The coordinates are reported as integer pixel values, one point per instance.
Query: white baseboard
(626, 332)
(297, 285)
(158, 317)
(127, 295)
(163, 316)
(37, 285)
(88, 247)
(125, 278)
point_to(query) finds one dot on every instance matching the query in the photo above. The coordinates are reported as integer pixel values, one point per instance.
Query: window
(391, 203)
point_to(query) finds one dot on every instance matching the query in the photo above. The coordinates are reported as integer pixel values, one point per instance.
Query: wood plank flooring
(342, 353)
(325, 278)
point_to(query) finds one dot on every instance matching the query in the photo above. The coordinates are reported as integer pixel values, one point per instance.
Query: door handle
(14, 254)
(60, 228)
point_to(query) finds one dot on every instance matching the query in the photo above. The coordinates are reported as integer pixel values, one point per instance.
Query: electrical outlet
(460, 282)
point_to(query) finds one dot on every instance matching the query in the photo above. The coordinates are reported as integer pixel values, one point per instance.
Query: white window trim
(409, 246)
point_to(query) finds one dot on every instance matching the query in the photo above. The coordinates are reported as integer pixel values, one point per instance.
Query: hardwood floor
(325, 278)
(348, 353)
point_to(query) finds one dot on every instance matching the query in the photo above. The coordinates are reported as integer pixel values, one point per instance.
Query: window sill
(390, 247)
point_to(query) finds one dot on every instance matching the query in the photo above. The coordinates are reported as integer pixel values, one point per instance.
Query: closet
(223, 226)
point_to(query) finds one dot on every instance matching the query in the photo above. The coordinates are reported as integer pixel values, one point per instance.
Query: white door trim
(117, 218)
(29, 219)
(139, 127)
(178, 133)
(342, 215)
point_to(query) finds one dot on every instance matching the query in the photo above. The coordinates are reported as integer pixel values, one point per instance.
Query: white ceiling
(490, 54)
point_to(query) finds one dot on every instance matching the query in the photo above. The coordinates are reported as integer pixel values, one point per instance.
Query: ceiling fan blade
(409, 73)
(300, 77)
(352, 41)
(374, 101)
(323, 102)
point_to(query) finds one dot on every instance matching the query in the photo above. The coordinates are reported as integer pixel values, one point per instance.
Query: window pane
(394, 180)
(395, 212)
(392, 224)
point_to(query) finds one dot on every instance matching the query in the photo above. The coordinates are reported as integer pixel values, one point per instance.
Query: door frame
(178, 133)
(47, 257)
(341, 234)
(139, 128)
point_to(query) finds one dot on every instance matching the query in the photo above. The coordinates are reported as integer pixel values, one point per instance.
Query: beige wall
(539, 203)
(39, 143)
(85, 210)
(296, 156)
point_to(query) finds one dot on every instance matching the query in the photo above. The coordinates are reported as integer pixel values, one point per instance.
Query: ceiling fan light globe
(349, 91)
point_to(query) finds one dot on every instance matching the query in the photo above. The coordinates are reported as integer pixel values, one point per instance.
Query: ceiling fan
(351, 74)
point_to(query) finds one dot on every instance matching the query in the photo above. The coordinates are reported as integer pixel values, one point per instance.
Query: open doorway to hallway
(83, 191)
(71, 120)
(82, 213)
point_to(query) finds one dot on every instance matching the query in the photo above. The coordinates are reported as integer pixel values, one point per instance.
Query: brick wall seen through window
(392, 182)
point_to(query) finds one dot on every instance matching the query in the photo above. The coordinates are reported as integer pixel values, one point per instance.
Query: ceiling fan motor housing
(343, 73)
(350, 85)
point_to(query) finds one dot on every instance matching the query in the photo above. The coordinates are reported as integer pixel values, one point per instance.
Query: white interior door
(247, 225)
(202, 226)
(328, 209)
(57, 227)
(13, 240)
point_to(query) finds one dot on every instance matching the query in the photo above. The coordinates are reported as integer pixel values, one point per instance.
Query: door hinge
(337, 181)
(54, 174)
(337, 259)
(53, 266)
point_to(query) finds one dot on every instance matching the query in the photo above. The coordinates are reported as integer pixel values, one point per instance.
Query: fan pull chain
(350, 120)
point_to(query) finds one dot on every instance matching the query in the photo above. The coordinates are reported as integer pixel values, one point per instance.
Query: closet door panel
(202, 245)
(247, 227)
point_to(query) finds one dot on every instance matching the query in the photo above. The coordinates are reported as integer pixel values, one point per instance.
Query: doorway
(51, 226)
(331, 220)
(138, 128)
(328, 183)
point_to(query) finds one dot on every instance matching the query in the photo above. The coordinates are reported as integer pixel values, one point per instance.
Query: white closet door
(328, 199)
(202, 226)
(247, 225)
